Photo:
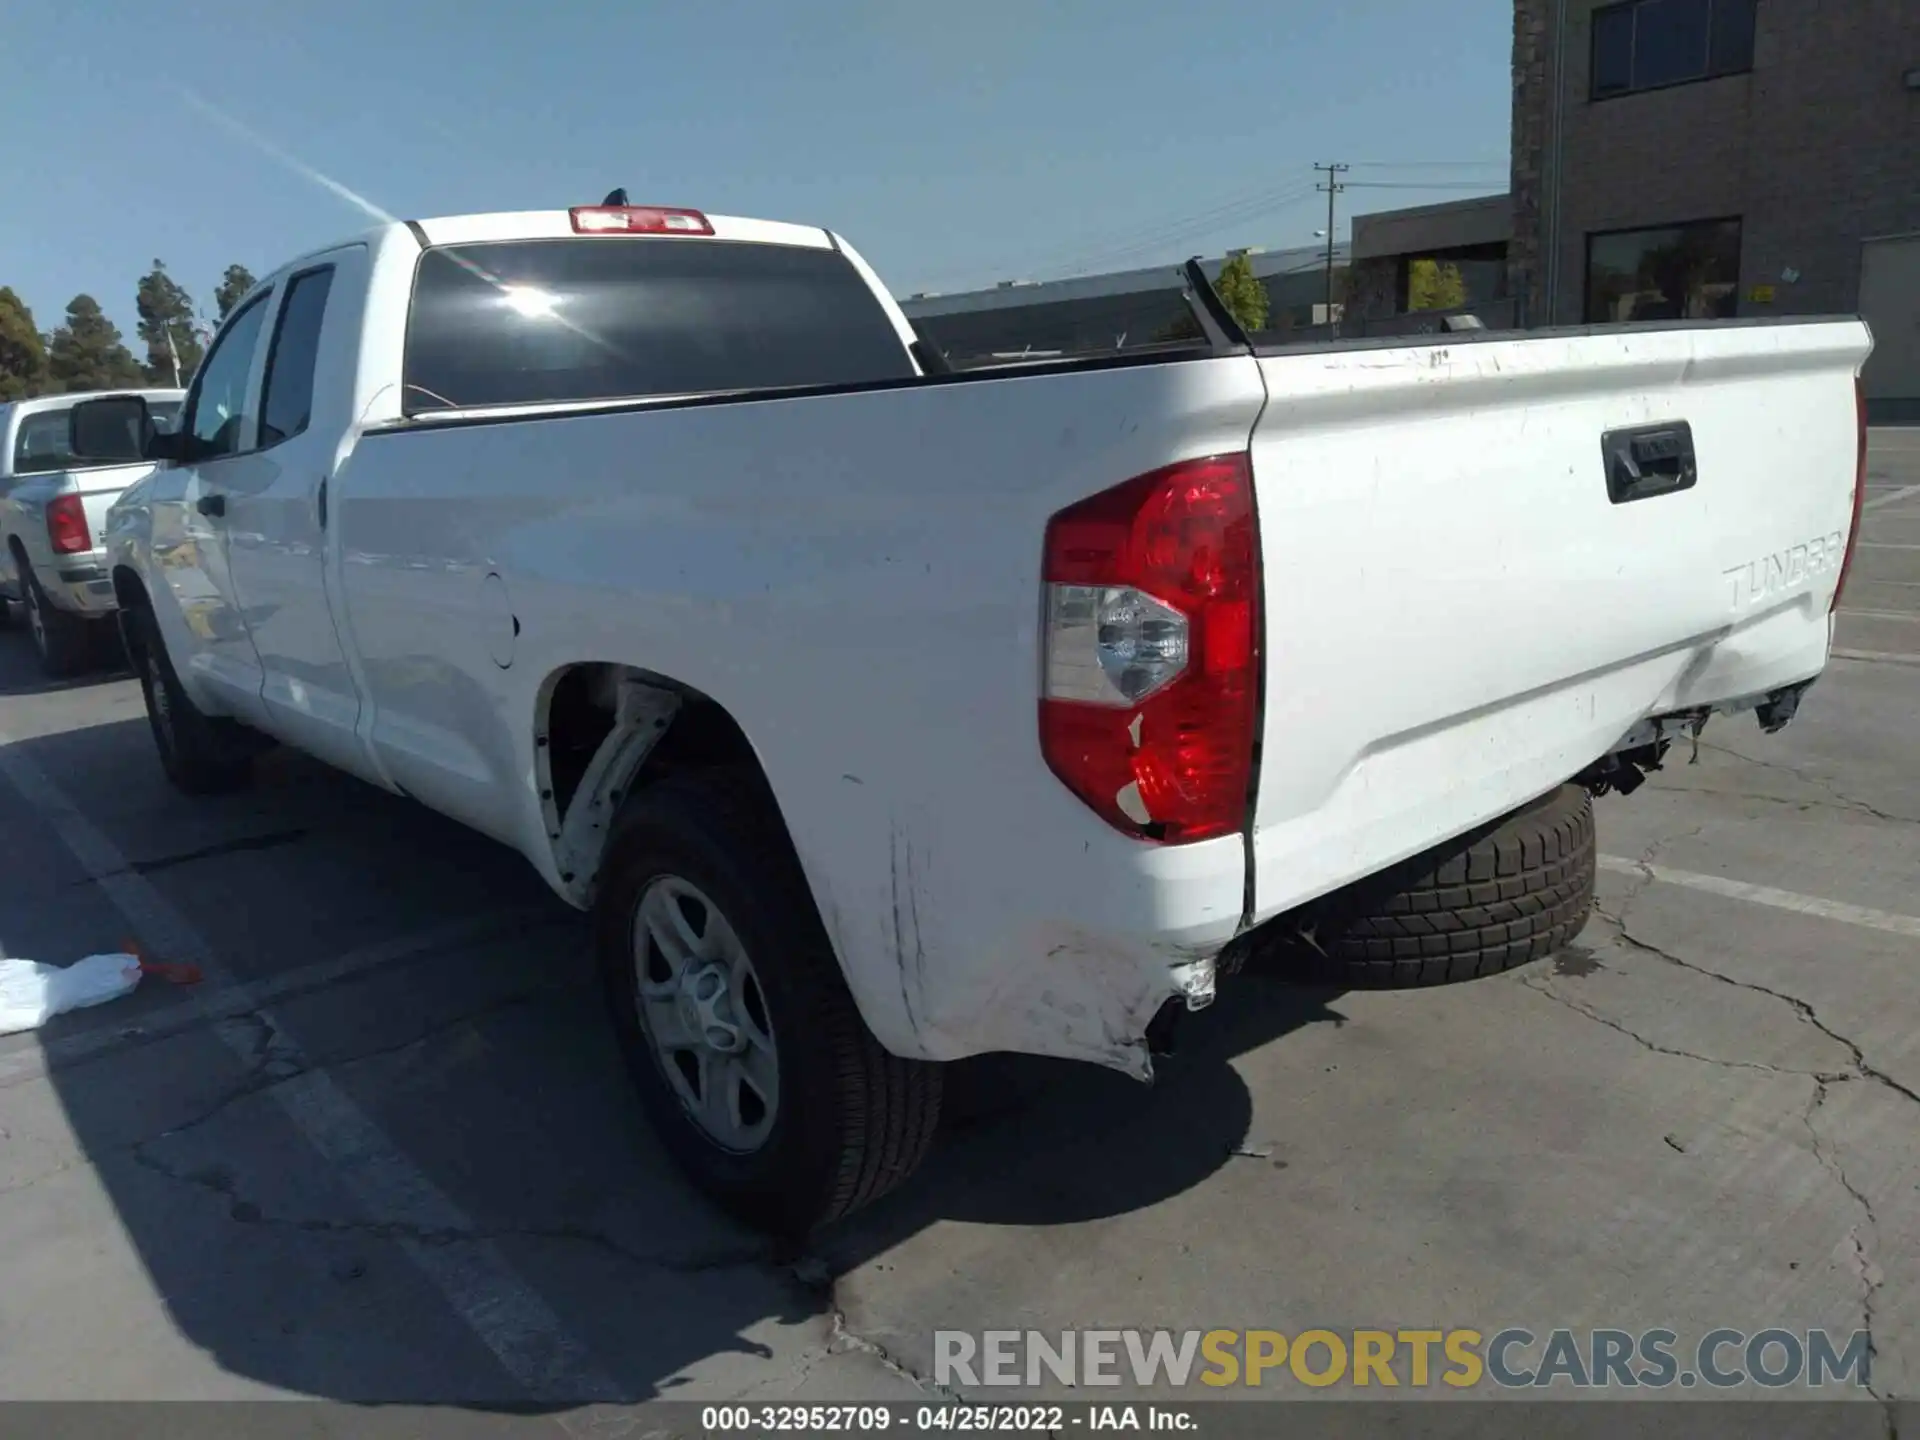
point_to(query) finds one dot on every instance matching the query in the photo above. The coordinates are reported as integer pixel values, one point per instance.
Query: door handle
(1648, 461)
(321, 501)
(213, 505)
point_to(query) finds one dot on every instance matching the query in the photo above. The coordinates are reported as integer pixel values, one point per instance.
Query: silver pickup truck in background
(52, 508)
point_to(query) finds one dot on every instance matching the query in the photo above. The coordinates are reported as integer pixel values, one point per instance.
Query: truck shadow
(487, 1075)
(20, 673)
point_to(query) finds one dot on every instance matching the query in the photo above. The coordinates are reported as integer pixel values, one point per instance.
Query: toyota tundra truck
(885, 715)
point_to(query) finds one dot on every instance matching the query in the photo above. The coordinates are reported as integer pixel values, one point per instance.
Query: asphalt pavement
(384, 1152)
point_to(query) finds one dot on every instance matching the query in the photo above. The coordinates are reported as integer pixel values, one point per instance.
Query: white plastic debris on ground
(32, 994)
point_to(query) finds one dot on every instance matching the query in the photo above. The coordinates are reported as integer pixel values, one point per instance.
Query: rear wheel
(1513, 891)
(202, 754)
(63, 642)
(747, 1049)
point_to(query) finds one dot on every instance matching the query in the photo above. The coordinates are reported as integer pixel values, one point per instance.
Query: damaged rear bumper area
(1643, 749)
(1079, 995)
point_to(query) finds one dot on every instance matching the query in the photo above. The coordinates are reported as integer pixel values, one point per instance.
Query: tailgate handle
(1649, 460)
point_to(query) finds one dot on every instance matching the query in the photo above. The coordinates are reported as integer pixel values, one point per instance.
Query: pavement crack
(13, 1187)
(219, 1181)
(1543, 988)
(272, 840)
(1838, 797)
(274, 1058)
(813, 1276)
(843, 1339)
(1866, 1271)
(1861, 1067)
(513, 1000)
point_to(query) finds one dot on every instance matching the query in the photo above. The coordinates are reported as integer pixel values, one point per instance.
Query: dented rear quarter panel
(856, 578)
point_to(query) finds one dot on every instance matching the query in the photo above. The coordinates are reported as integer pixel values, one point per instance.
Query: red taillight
(1150, 692)
(637, 220)
(67, 530)
(1859, 493)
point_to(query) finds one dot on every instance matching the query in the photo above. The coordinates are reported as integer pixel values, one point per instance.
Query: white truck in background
(886, 717)
(52, 509)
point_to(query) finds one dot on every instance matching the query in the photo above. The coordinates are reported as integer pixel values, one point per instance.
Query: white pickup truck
(886, 716)
(52, 510)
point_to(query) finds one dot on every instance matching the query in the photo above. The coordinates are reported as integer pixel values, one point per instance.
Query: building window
(1677, 272)
(1650, 44)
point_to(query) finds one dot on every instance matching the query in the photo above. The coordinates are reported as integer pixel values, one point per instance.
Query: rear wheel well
(601, 732)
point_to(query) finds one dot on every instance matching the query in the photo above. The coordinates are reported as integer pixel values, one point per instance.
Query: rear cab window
(41, 442)
(529, 322)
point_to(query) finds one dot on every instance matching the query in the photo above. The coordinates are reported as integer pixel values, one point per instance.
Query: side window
(286, 399)
(41, 444)
(216, 410)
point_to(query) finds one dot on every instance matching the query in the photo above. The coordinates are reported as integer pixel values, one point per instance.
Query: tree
(166, 312)
(1433, 285)
(1242, 293)
(232, 289)
(86, 353)
(23, 354)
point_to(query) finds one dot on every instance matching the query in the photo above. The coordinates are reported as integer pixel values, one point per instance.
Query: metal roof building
(1112, 311)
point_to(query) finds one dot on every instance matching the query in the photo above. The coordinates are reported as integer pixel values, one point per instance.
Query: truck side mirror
(113, 430)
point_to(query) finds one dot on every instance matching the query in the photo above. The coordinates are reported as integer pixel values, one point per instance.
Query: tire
(848, 1121)
(63, 642)
(202, 754)
(1516, 890)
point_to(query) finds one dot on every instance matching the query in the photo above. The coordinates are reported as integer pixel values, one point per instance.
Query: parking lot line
(478, 1282)
(1879, 657)
(1766, 895)
(229, 1002)
(1902, 493)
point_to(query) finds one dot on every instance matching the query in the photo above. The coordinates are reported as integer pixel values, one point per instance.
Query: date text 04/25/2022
(872, 1419)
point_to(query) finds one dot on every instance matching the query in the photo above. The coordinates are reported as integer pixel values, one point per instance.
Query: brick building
(1704, 158)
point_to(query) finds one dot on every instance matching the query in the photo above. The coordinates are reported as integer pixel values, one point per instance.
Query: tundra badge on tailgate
(1761, 579)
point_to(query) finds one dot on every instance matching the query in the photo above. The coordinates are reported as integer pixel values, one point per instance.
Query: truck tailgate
(99, 487)
(1469, 598)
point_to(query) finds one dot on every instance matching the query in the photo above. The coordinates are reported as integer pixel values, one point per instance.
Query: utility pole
(1333, 187)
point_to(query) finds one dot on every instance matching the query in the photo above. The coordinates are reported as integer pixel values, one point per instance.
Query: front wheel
(748, 1051)
(202, 754)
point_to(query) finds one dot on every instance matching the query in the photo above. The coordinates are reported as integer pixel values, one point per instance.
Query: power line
(1241, 207)
(1416, 184)
(1197, 223)
(1430, 164)
(1247, 206)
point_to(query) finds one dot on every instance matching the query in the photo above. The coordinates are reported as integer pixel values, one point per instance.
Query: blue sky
(955, 143)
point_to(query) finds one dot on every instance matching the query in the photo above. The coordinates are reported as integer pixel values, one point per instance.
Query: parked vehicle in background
(52, 567)
(884, 716)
